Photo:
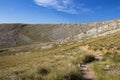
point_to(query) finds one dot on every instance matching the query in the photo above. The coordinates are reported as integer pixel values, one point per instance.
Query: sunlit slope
(24, 34)
(108, 42)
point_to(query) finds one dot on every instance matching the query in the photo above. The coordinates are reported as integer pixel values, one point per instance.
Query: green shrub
(88, 58)
(84, 59)
(43, 71)
(95, 49)
(101, 49)
(73, 76)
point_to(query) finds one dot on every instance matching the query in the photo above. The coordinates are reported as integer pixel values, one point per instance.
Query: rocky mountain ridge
(23, 34)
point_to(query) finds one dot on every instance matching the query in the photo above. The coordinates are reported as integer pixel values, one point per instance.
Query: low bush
(83, 59)
(73, 76)
(88, 58)
(43, 71)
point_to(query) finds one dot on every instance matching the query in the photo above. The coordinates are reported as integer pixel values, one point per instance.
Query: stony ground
(87, 71)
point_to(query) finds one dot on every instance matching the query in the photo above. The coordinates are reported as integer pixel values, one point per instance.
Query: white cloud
(59, 5)
(67, 6)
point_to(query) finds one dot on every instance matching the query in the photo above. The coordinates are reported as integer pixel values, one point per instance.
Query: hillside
(60, 52)
(61, 62)
(23, 34)
(109, 42)
(107, 48)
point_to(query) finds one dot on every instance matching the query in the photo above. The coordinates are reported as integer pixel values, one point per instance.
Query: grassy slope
(52, 64)
(113, 73)
(107, 42)
(58, 62)
(111, 58)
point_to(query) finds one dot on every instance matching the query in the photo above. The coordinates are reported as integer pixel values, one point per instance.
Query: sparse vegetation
(110, 42)
(57, 60)
(84, 58)
(49, 64)
(108, 68)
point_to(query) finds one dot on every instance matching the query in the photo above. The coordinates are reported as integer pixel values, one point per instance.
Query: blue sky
(58, 11)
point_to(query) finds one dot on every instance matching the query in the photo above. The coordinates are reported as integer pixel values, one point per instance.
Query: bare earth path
(87, 69)
(87, 72)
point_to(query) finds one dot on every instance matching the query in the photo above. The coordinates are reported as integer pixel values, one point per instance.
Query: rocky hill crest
(23, 34)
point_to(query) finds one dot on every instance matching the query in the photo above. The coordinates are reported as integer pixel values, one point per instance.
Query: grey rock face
(9, 34)
(20, 34)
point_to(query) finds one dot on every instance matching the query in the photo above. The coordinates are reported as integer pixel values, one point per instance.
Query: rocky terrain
(60, 51)
(22, 34)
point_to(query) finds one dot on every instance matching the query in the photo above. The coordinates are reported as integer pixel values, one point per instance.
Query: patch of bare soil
(87, 72)
(86, 48)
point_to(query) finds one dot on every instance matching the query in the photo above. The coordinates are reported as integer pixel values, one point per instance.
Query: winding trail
(87, 69)
(87, 72)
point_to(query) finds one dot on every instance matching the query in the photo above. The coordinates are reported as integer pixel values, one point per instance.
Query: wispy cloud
(67, 6)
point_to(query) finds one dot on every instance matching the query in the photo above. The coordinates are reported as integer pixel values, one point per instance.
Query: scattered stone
(47, 46)
(109, 68)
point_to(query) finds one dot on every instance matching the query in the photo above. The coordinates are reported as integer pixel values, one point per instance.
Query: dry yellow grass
(49, 64)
